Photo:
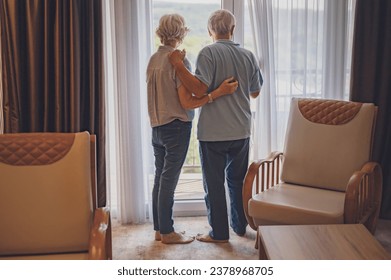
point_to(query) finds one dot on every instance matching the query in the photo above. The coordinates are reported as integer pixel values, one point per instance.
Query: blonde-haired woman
(170, 111)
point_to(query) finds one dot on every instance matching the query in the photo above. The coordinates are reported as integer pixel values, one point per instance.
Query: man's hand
(176, 57)
(191, 83)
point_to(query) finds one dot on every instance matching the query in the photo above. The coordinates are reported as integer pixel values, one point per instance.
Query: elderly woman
(169, 108)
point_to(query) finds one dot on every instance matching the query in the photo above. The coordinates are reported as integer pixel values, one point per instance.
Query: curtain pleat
(371, 82)
(53, 70)
(127, 53)
(304, 51)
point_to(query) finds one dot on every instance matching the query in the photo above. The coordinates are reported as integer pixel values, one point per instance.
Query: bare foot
(157, 236)
(176, 238)
(208, 238)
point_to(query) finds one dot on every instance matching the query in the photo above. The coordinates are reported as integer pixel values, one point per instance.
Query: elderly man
(224, 126)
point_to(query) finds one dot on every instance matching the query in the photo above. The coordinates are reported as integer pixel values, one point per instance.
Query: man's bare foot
(158, 236)
(208, 238)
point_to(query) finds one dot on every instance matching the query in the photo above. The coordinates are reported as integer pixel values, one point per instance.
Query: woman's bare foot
(176, 238)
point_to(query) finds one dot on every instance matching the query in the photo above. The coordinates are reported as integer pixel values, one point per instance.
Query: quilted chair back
(326, 142)
(45, 193)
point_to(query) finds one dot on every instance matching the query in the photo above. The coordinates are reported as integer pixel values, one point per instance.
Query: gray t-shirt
(162, 87)
(229, 117)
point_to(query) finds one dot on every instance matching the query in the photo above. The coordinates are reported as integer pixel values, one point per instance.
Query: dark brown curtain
(371, 79)
(53, 70)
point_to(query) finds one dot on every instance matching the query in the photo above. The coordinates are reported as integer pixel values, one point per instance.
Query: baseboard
(189, 208)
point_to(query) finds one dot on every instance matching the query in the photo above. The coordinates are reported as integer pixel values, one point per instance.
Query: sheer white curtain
(128, 48)
(304, 48)
(265, 123)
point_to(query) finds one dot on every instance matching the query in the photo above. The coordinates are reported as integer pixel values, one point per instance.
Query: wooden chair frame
(100, 235)
(363, 192)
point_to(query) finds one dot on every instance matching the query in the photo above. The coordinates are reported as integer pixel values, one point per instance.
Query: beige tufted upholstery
(324, 175)
(24, 150)
(324, 155)
(46, 197)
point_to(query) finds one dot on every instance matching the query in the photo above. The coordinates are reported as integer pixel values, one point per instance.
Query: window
(296, 47)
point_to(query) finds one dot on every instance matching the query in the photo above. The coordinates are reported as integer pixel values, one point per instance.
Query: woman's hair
(221, 22)
(171, 28)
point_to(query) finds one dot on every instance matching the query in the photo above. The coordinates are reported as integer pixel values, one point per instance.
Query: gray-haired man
(224, 126)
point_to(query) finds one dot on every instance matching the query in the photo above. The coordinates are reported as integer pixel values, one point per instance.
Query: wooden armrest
(100, 235)
(363, 196)
(270, 173)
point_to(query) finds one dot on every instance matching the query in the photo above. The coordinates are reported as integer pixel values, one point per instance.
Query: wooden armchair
(48, 198)
(324, 175)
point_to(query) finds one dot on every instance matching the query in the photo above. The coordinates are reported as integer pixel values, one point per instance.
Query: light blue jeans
(221, 161)
(170, 144)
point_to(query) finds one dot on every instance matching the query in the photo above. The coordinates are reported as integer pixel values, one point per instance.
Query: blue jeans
(170, 143)
(224, 160)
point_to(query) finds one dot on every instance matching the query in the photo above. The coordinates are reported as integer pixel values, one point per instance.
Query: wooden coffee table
(319, 242)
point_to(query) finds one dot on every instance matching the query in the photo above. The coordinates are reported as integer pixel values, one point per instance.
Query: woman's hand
(228, 86)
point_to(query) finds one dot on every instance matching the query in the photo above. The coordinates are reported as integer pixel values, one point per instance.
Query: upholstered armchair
(324, 175)
(48, 198)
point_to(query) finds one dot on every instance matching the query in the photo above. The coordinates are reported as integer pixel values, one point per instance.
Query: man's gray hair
(221, 22)
(171, 28)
